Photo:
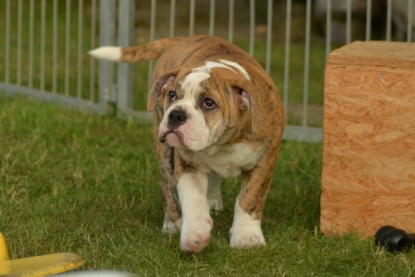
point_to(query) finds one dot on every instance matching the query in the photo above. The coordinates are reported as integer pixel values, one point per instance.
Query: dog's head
(204, 105)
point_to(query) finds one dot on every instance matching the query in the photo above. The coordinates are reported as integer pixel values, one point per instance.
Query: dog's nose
(176, 118)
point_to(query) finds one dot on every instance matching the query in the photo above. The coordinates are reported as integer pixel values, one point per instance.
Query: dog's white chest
(228, 161)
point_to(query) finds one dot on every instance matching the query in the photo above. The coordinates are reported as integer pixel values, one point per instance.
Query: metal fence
(44, 59)
(44, 44)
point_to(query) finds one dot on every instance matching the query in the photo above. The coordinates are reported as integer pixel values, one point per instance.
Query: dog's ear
(164, 82)
(246, 101)
(243, 99)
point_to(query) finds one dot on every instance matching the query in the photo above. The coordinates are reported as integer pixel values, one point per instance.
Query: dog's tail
(149, 51)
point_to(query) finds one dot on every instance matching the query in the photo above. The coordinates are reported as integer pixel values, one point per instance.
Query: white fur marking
(192, 81)
(110, 53)
(228, 160)
(246, 231)
(197, 223)
(237, 66)
(207, 68)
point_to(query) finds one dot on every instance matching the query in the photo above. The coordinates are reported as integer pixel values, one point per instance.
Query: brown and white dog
(217, 114)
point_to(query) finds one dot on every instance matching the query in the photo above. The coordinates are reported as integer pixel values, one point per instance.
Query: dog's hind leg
(214, 193)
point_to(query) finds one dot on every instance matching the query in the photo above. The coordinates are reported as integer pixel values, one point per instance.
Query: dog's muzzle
(176, 118)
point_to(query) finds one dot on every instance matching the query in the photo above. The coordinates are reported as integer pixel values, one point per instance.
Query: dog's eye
(172, 95)
(208, 104)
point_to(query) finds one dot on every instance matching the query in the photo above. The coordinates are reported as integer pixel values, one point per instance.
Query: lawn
(72, 181)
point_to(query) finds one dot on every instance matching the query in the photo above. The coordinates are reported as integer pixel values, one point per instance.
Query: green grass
(78, 182)
(71, 181)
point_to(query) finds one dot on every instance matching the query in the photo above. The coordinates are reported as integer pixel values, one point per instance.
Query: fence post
(125, 38)
(107, 24)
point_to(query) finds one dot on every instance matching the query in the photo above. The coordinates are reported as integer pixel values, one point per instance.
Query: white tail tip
(110, 53)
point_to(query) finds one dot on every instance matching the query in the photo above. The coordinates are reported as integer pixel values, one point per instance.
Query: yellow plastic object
(3, 249)
(37, 266)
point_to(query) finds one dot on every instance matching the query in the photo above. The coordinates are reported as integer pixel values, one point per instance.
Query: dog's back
(202, 48)
(181, 50)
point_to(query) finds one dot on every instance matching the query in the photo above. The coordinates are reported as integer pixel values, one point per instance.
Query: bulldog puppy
(217, 114)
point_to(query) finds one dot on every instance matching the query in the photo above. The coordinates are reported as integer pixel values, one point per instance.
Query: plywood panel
(368, 177)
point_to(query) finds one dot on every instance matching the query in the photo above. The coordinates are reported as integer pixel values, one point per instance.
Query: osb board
(375, 53)
(368, 177)
(366, 213)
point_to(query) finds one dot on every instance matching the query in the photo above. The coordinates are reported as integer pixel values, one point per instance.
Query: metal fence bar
(91, 59)
(172, 17)
(287, 56)
(328, 27)
(55, 47)
(192, 17)
(212, 17)
(368, 19)
(409, 26)
(7, 46)
(152, 37)
(19, 42)
(269, 38)
(304, 134)
(80, 52)
(251, 27)
(51, 97)
(31, 35)
(231, 19)
(306, 63)
(389, 20)
(125, 33)
(349, 21)
(107, 23)
(67, 45)
(42, 46)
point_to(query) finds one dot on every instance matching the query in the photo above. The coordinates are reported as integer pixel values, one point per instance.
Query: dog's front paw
(195, 234)
(171, 227)
(246, 237)
(246, 230)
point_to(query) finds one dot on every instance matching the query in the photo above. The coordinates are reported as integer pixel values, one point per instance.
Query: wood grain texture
(368, 177)
(375, 53)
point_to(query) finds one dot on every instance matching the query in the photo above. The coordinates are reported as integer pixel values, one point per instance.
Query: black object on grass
(395, 240)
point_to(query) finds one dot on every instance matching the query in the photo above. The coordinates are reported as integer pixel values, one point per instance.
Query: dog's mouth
(173, 138)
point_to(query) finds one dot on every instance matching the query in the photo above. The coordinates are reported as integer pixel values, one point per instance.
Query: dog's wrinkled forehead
(191, 82)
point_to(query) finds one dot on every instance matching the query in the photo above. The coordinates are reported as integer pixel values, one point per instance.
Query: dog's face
(200, 106)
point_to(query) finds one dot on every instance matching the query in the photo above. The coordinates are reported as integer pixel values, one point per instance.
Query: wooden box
(368, 176)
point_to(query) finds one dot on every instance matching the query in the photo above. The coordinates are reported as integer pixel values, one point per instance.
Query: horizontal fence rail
(44, 51)
(44, 45)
